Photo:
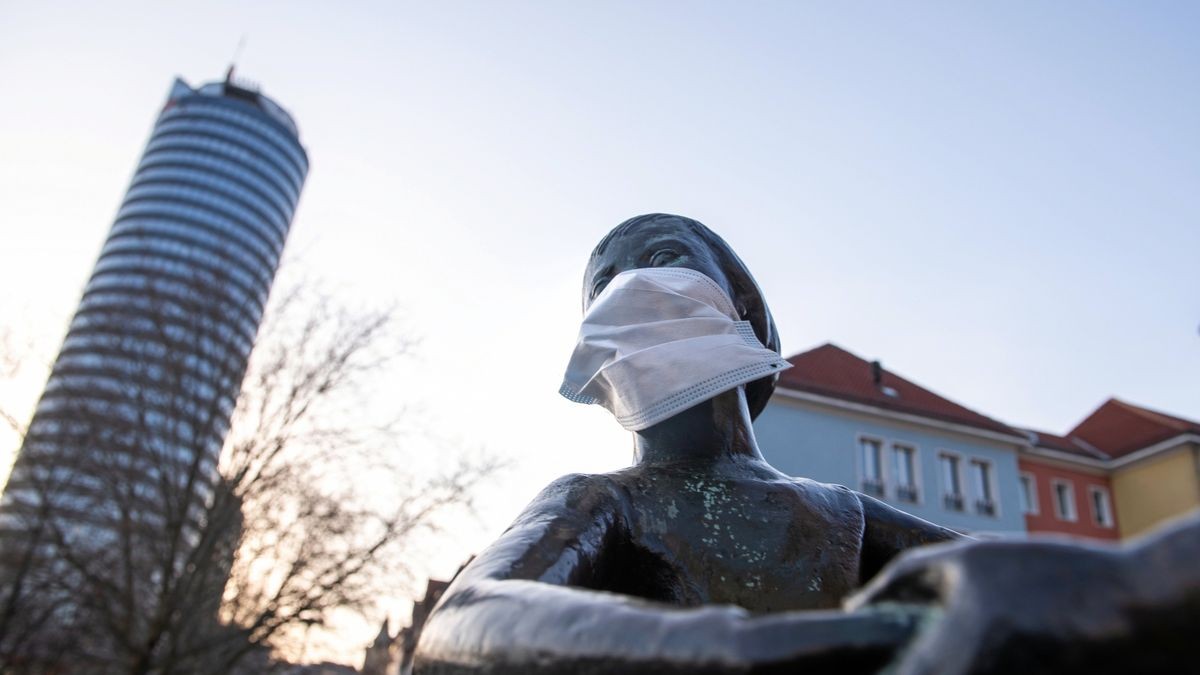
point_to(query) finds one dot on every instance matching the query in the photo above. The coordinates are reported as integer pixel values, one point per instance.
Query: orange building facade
(1121, 472)
(1063, 499)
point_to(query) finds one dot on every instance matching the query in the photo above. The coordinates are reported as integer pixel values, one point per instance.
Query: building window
(1101, 506)
(1064, 500)
(904, 457)
(1029, 500)
(981, 483)
(952, 497)
(872, 466)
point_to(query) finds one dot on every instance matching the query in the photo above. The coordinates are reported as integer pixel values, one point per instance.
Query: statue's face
(661, 243)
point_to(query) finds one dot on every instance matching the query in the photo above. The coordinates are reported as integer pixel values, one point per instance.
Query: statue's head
(665, 240)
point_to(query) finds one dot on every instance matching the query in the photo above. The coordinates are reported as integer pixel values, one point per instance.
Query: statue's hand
(1014, 607)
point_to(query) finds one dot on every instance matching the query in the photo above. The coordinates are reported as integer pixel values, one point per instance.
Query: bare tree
(10, 366)
(156, 536)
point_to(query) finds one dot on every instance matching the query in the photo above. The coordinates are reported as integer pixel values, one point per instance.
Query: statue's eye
(663, 257)
(599, 286)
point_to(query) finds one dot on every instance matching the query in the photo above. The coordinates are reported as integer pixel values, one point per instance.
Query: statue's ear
(753, 307)
(759, 392)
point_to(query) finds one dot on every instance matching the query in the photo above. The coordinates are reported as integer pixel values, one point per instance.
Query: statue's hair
(747, 296)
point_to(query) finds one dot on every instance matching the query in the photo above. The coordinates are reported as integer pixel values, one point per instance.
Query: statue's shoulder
(578, 489)
(836, 495)
(581, 481)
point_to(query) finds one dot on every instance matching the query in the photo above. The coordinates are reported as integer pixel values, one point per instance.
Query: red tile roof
(831, 371)
(1119, 428)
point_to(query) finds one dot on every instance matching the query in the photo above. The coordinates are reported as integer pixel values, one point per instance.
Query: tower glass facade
(124, 443)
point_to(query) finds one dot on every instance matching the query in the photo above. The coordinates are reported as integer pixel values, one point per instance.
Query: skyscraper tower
(124, 443)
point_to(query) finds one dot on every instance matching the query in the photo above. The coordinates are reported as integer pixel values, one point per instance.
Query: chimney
(877, 373)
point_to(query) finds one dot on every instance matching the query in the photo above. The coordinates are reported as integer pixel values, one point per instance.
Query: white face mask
(658, 341)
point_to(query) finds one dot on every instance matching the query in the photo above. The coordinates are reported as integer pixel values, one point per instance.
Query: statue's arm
(888, 532)
(521, 607)
(1050, 606)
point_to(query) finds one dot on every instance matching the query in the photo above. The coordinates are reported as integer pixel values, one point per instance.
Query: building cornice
(1145, 453)
(900, 416)
(1102, 465)
(1060, 457)
(1108, 465)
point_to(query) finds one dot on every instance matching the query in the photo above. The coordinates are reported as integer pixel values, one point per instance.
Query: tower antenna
(237, 54)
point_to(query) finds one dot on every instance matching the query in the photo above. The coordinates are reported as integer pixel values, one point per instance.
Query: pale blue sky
(998, 200)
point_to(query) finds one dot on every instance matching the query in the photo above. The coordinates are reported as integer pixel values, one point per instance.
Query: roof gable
(1118, 428)
(831, 371)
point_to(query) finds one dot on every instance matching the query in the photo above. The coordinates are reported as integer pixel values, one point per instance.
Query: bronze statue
(702, 558)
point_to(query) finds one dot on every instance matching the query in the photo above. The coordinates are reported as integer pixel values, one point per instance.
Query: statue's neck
(718, 428)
